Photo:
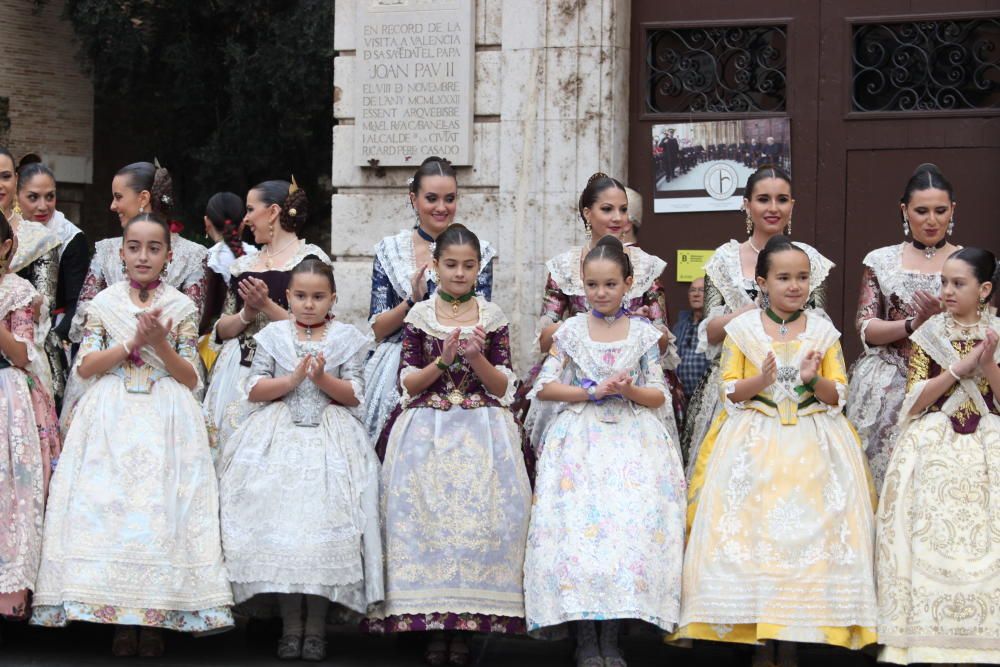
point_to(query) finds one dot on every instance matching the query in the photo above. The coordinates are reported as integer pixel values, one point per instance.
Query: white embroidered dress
(938, 522)
(132, 525)
(607, 524)
(735, 291)
(781, 510)
(299, 480)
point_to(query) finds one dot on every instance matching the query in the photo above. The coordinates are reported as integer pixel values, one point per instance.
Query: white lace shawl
(246, 262)
(33, 241)
(59, 225)
(748, 333)
(342, 343)
(726, 273)
(933, 338)
(16, 293)
(491, 318)
(395, 254)
(893, 279)
(564, 269)
(221, 257)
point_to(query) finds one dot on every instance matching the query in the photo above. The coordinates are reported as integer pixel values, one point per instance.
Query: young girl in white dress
(299, 478)
(780, 502)
(607, 526)
(132, 526)
(938, 532)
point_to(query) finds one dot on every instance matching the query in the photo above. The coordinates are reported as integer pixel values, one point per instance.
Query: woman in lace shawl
(899, 289)
(455, 491)
(29, 438)
(298, 481)
(276, 213)
(402, 277)
(131, 532)
(141, 187)
(730, 290)
(36, 259)
(603, 208)
(938, 529)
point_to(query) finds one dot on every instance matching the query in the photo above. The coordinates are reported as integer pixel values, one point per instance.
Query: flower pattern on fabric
(938, 543)
(878, 377)
(607, 525)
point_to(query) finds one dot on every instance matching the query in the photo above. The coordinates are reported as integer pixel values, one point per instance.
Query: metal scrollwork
(926, 65)
(726, 69)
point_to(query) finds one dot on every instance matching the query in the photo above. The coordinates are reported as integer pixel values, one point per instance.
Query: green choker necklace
(782, 324)
(456, 301)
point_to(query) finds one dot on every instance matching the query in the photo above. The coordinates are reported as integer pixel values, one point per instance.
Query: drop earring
(749, 223)
(765, 301)
(124, 268)
(788, 228)
(587, 230)
(951, 226)
(142, 208)
(906, 225)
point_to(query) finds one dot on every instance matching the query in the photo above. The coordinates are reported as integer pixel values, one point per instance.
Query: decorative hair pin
(293, 188)
(156, 163)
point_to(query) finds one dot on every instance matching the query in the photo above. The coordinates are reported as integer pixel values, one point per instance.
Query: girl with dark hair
(899, 289)
(36, 259)
(298, 480)
(455, 492)
(938, 532)
(780, 504)
(141, 187)
(132, 526)
(603, 208)
(224, 225)
(607, 461)
(36, 194)
(29, 438)
(276, 212)
(731, 290)
(401, 277)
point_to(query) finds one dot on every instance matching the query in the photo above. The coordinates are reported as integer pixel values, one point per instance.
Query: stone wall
(51, 98)
(551, 108)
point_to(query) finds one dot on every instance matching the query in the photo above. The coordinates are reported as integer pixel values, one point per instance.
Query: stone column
(551, 108)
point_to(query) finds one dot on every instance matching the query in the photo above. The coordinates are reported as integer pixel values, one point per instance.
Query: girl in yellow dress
(938, 541)
(780, 505)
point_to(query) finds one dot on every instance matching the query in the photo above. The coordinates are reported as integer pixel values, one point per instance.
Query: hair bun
(596, 176)
(926, 166)
(613, 241)
(29, 158)
(295, 210)
(162, 193)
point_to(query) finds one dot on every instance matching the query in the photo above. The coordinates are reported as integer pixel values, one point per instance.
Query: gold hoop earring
(749, 224)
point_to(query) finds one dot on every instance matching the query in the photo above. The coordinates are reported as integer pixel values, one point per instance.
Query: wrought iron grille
(721, 69)
(926, 65)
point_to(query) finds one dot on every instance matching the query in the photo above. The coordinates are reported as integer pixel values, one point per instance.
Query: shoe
(313, 648)
(436, 653)
(290, 647)
(150, 643)
(125, 642)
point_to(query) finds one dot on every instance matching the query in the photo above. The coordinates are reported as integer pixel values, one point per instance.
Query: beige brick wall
(51, 98)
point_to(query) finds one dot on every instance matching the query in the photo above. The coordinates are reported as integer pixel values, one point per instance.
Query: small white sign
(414, 81)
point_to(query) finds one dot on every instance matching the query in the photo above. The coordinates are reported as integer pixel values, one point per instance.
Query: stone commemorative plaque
(413, 81)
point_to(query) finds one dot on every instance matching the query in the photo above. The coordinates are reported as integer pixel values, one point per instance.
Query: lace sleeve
(714, 307)
(484, 283)
(262, 367)
(733, 368)
(353, 371)
(713, 297)
(869, 304)
(411, 358)
(93, 283)
(195, 289)
(186, 344)
(554, 306)
(834, 368)
(22, 328)
(651, 372)
(498, 355)
(551, 371)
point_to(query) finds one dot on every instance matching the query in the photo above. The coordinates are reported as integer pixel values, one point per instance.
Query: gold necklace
(269, 255)
(455, 395)
(456, 313)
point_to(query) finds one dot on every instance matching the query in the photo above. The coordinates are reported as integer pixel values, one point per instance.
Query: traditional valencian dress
(299, 480)
(727, 290)
(220, 258)
(132, 526)
(565, 297)
(185, 272)
(37, 261)
(607, 525)
(392, 269)
(938, 523)
(223, 407)
(29, 447)
(878, 378)
(781, 509)
(455, 492)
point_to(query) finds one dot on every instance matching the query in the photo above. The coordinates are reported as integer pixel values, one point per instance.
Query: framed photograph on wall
(703, 166)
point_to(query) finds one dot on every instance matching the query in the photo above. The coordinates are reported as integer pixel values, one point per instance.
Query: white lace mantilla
(565, 271)
(894, 280)
(221, 257)
(246, 263)
(573, 339)
(59, 225)
(395, 254)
